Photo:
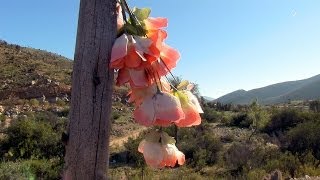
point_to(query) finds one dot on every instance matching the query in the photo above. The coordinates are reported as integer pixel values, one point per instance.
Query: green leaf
(183, 85)
(166, 139)
(141, 14)
(182, 97)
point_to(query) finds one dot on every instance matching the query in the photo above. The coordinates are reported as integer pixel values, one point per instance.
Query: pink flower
(159, 150)
(138, 94)
(162, 108)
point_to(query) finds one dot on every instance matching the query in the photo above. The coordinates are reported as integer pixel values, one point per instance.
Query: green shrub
(305, 137)
(34, 102)
(210, 114)
(31, 139)
(241, 120)
(2, 117)
(133, 155)
(237, 157)
(283, 120)
(256, 174)
(286, 162)
(199, 145)
(31, 169)
(315, 106)
(61, 103)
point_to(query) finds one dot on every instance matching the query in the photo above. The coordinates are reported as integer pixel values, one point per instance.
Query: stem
(135, 22)
(168, 69)
(173, 87)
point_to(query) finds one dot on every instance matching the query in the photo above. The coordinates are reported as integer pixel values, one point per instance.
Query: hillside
(30, 73)
(306, 89)
(26, 74)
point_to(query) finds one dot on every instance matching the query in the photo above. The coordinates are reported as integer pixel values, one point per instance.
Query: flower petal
(142, 44)
(138, 94)
(138, 78)
(194, 100)
(132, 60)
(120, 21)
(153, 154)
(180, 157)
(169, 56)
(119, 49)
(168, 107)
(170, 158)
(141, 146)
(123, 77)
(155, 23)
(162, 122)
(192, 117)
(145, 113)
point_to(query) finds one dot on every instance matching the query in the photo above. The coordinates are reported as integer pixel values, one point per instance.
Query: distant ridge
(306, 89)
(207, 98)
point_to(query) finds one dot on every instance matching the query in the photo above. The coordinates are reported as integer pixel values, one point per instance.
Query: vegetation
(233, 142)
(246, 142)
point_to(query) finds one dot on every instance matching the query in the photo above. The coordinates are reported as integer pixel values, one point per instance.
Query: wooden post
(87, 151)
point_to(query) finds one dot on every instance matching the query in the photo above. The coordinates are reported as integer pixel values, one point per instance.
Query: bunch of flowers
(143, 60)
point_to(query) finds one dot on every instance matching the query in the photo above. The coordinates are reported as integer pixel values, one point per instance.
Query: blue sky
(225, 45)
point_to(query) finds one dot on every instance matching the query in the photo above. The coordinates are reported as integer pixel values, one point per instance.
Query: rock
(1, 109)
(43, 99)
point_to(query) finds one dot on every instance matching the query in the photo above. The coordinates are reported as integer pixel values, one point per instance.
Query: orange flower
(191, 108)
(168, 56)
(159, 150)
(130, 51)
(168, 60)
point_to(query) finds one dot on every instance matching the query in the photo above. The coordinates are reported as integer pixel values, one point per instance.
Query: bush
(283, 120)
(31, 139)
(2, 117)
(133, 155)
(211, 115)
(31, 169)
(256, 174)
(61, 102)
(305, 137)
(286, 162)
(315, 106)
(34, 102)
(199, 145)
(237, 157)
(241, 120)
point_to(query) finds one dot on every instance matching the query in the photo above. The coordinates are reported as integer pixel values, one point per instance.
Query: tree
(87, 148)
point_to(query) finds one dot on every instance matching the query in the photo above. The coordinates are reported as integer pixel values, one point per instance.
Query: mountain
(207, 98)
(306, 89)
(30, 73)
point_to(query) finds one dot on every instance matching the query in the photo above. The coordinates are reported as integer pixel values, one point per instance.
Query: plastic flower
(161, 108)
(168, 55)
(159, 150)
(130, 51)
(190, 105)
(137, 95)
